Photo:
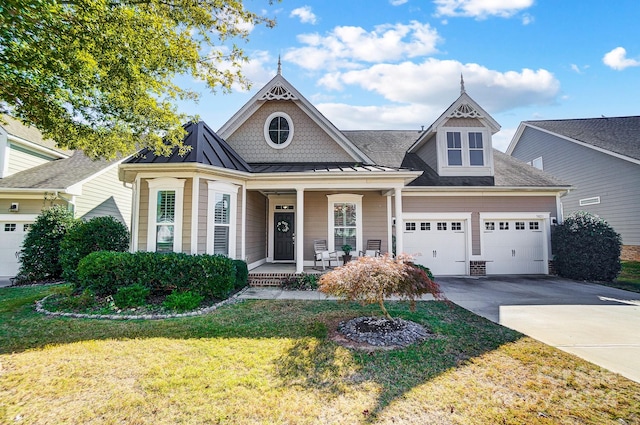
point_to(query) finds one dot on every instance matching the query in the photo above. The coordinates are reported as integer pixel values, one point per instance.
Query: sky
(396, 64)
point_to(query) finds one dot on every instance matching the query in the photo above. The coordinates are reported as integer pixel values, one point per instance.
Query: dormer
(459, 142)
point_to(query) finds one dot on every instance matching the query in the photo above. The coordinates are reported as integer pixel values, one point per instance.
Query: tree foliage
(99, 75)
(586, 247)
(40, 254)
(370, 280)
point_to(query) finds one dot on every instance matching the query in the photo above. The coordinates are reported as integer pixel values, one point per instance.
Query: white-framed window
(278, 130)
(476, 149)
(222, 212)
(345, 221)
(164, 233)
(464, 151)
(456, 226)
(454, 148)
(441, 226)
(425, 226)
(410, 226)
(489, 225)
(10, 227)
(519, 225)
(537, 162)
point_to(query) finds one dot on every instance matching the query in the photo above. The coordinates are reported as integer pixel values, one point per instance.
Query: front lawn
(629, 278)
(273, 362)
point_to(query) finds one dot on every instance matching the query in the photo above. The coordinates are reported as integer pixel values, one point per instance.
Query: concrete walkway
(4, 281)
(594, 322)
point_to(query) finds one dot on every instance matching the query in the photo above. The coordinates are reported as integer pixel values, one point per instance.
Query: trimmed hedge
(242, 273)
(104, 272)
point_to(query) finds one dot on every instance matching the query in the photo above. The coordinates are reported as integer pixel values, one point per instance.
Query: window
(534, 225)
(490, 225)
(409, 227)
(519, 225)
(164, 233)
(454, 148)
(504, 225)
(278, 130)
(456, 226)
(26, 227)
(476, 150)
(345, 221)
(221, 228)
(10, 227)
(537, 163)
(442, 226)
(425, 226)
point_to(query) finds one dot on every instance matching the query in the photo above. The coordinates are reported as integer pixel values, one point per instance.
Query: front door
(283, 236)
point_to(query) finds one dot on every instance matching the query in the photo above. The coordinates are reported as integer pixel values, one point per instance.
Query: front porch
(272, 274)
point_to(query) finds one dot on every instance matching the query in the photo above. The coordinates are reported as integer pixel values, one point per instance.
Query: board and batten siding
(21, 159)
(105, 195)
(256, 232)
(476, 205)
(592, 174)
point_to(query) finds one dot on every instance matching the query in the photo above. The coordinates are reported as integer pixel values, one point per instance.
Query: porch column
(389, 225)
(399, 223)
(299, 240)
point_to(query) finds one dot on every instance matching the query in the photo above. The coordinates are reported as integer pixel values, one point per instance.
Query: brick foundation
(478, 268)
(630, 253)
(552, 268)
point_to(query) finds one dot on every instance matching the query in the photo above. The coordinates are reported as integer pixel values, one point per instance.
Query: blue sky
(396, 64)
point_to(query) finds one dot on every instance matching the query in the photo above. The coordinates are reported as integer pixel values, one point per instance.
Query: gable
(310, 142)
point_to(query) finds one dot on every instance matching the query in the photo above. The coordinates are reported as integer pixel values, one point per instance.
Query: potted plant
(347, 253)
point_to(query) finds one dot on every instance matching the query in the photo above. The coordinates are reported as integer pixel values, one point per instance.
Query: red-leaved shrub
(370, 280)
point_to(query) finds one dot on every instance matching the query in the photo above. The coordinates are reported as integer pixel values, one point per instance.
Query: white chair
(373, 248)
(321, 253)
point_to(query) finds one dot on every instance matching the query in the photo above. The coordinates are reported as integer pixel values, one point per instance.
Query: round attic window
(278, 130)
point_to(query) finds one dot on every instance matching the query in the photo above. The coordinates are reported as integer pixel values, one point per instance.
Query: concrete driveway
(597, 323)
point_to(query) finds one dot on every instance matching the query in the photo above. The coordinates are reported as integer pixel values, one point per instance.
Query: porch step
(269, 279)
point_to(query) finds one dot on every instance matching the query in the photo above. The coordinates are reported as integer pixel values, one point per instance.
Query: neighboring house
(600, 157)
(34, 174)
(279, 175)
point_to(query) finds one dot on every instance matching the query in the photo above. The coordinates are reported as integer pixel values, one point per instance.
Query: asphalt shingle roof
(31, 134)
(58, 174)
(616, 134)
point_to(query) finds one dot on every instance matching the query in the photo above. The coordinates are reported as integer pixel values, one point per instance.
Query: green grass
(274, 362)
(629, 277)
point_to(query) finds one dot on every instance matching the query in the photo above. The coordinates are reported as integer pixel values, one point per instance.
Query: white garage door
(514, 246)
(437, 244)
(11, 236)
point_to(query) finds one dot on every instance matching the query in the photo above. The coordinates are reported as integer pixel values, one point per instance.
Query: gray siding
(592, 173)
(257, 205)
(476, 205)
(429, 153)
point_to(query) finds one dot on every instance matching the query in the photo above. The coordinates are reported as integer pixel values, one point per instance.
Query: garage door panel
(514, 246)
(437, 244)
(12, 235)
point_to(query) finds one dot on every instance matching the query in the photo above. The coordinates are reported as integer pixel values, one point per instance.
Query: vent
(589, 201)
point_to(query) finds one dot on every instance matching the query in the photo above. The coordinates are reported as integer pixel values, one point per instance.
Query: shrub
(242, 274)
(586, 247)
(427, 270)
(182, 301)
(98, 234)
(131, 296)
(370, 280)
(105, 272)
(39, 256)
(302, 282)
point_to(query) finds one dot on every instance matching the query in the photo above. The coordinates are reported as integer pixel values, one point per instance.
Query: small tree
(98, 234)
(370, 280)
(39, 256)
(586, 247)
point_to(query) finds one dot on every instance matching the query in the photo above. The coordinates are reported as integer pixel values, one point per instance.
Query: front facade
(600, 157)
(278, 175)
(35, 174)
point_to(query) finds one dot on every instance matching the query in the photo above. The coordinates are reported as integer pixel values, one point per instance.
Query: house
(34, 174)
(600, 157)
(279, 175)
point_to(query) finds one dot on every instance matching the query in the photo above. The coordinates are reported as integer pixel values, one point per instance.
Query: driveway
(597, 323)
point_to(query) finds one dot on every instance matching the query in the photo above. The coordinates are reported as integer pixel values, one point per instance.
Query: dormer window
(465, 149)
(476, 150)
(454, 148)
(278, 130)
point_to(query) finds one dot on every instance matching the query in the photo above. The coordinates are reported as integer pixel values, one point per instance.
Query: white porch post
(299, 235)
(399, 223)
(389, 225)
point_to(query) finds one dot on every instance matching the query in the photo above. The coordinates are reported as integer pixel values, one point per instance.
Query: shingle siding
(592, 173)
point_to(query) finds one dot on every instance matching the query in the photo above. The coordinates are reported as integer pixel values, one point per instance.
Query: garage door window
(26, 227)
(534, 225)
(425, 226)
(442, 226)
(490, 225)
(519, 225)
(10, 227)
(456, 226)
(504, 225)
(409, 227)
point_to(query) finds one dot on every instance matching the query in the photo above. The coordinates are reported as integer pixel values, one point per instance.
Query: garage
(440, 244)
(12, 234)
(514, 246)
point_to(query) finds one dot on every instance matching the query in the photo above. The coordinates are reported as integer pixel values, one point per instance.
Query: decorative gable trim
(465, 111)
(278, 92)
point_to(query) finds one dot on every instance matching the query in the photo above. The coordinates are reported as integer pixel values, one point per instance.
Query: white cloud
(501, 139)
(258, 70)
(348, 46)
(305, 14)
(435, 83)
(617, 59)
(527, 19)
(397, 2)
(481, 9)
(385, 117)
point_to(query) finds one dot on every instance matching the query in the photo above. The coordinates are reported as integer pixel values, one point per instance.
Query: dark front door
(283, 236)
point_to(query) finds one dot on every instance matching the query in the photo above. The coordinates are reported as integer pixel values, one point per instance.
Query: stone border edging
(232, 300)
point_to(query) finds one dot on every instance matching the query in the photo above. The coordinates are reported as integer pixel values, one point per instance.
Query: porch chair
(373, 248)
(322, 253)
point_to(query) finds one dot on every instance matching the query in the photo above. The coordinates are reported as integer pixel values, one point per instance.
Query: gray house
(600, 157)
